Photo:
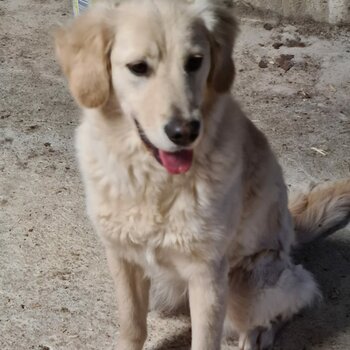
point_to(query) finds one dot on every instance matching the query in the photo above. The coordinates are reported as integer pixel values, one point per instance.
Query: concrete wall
(330, 11)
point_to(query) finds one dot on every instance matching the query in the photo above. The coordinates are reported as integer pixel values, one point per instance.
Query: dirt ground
(55, 290)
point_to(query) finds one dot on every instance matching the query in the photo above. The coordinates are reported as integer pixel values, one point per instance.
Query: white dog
(182, 188)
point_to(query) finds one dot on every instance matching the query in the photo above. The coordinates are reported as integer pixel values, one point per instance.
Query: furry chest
(153, 261)
(163, 217)
(146, 228)
(153, 238)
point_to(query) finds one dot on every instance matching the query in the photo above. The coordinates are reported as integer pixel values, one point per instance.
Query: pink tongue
(177, 162)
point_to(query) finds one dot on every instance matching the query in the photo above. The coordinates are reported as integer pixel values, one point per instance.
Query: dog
(183, 189)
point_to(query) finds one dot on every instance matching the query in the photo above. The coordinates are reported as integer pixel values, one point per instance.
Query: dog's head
(161, 59)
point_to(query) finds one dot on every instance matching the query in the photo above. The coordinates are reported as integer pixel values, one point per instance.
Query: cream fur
(220, 234)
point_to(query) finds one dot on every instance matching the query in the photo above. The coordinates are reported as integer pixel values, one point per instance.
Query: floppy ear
(83, 52)
(223, 36)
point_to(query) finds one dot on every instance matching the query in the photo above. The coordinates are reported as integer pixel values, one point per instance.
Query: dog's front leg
(132, 298)
(207, 294)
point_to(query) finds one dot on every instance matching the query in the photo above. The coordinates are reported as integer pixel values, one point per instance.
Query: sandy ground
(55, 290)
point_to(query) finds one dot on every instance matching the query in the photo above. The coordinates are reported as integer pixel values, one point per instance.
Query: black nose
(182, 132)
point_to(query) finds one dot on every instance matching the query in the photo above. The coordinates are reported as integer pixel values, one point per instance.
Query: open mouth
(174, 162)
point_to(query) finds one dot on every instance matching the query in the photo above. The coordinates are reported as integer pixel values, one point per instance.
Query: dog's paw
(257, 339)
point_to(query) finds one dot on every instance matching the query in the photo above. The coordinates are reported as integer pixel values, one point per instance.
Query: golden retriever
(182, 188)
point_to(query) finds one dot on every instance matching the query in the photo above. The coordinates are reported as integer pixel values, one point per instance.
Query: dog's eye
(193, 63)
(140, 68)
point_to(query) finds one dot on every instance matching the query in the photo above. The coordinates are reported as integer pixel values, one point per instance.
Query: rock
(268, 26)
(285, 62)
(277, 45)
(294, 43)
(263, 63)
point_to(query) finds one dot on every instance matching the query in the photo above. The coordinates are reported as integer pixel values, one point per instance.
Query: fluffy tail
(322, 211)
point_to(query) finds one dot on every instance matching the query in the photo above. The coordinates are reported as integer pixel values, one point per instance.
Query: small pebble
(263, 63)
(268, 26)
(277, 45)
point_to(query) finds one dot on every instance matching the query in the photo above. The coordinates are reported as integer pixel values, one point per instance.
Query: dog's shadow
(179, 341)
(329, 261)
